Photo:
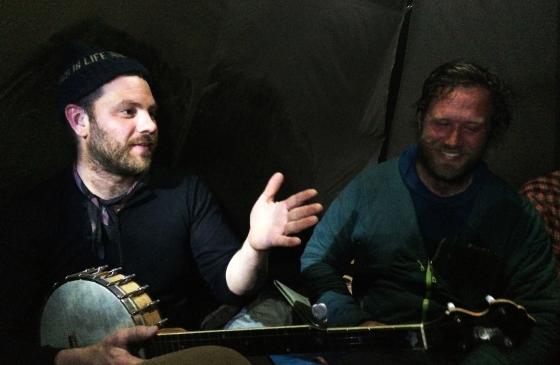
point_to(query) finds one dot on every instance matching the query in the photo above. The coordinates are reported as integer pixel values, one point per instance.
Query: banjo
(93, 303)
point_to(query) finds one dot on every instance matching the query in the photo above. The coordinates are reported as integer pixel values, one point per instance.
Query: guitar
(94, 303)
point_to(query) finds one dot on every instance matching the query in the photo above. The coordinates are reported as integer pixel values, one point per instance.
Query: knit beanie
(87, 68)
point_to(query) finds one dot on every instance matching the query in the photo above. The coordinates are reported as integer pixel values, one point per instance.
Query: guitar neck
(293, 339)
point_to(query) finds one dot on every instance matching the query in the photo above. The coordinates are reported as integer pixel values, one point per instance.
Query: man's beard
(115, 157)
(448, 173)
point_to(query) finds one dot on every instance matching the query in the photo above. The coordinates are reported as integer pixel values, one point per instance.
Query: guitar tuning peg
(320, 312)
(489, 299)
(450, 306)
(161, 322)
(114, 271)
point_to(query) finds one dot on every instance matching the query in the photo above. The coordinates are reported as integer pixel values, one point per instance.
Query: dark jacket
(173, 237)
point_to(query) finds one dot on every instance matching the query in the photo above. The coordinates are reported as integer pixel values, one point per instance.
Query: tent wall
(516, 39)
(297, 86)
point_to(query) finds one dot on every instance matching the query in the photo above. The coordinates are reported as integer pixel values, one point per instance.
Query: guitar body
(92, 304)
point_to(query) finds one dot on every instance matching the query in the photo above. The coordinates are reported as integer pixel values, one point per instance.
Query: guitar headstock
(504, 323)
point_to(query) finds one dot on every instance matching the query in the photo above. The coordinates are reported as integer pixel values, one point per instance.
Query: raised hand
(273, 223)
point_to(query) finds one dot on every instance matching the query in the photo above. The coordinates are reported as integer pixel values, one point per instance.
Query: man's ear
(419, 122)
(78, 120)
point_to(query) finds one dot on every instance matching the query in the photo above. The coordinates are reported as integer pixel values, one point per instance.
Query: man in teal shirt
(436, 226)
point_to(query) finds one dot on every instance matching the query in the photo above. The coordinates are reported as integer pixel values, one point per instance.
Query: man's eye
(474, 128)
(128, 112)
(441, 123)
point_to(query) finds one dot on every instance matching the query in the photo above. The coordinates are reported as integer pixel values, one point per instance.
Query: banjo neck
(96, 302)
(504, 324)
(292, 339)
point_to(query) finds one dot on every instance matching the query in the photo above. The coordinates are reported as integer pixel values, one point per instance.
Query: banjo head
(87, 308)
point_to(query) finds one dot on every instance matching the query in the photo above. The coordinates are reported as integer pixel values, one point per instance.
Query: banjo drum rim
(66, 322)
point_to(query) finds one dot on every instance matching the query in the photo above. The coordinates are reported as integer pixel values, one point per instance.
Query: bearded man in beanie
(112, 208)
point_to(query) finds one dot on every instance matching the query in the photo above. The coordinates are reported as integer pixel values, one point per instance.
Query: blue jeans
(269, 309)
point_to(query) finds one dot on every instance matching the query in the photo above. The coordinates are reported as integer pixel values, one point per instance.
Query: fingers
(126, 358)
(113, 349)
(273, 185)
(287, 241)
(305, 211)
(125, 336)
(300, 225)
(272, 222)
(300, 198)
(141, 333)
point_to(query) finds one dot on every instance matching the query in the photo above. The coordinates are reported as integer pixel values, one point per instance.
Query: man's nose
(453, 138)
(146, 123)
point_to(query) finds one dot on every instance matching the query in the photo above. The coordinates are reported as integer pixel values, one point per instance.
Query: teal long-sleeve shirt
(502, 251)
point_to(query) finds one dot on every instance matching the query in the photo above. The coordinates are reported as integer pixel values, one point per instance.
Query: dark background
(316, 89)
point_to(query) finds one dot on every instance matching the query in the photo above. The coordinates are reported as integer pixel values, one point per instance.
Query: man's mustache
(148, 139)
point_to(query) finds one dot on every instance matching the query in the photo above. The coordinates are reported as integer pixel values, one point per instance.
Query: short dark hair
(451, 75)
